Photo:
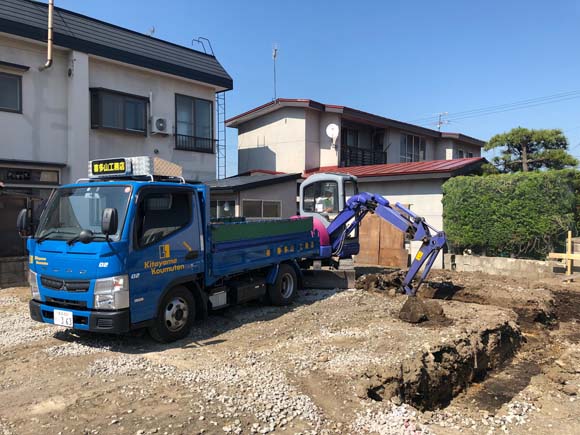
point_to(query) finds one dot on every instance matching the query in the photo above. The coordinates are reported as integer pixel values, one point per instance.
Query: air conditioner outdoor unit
(159, 125)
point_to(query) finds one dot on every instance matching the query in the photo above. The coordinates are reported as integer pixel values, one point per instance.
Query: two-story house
(406, 163)
(109, 91)
(289, 135)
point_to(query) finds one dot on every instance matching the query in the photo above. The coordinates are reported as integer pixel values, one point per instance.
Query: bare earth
(334, 362)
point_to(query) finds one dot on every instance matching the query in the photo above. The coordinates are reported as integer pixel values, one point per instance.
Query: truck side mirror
(24, 223)
(109, 221)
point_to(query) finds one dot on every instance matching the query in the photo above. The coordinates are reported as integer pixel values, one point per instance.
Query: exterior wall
(39, 133)
(466, 149)
(423, 196)
(447, 149)
(313, 138)
(328, 154)
(283, 192)
(117, 77)
(54, 126)
(274, 141)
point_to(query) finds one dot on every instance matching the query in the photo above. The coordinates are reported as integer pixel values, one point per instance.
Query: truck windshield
(71, 210)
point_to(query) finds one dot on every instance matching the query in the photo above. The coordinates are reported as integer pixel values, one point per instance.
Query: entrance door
(166, 246)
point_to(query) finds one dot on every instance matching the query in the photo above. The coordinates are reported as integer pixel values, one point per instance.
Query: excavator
(337, 209)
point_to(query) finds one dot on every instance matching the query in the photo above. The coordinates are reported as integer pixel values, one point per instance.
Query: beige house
(109, 92)
(289, 135)
(405, 163)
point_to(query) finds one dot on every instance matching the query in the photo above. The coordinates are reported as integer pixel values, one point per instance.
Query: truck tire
(175, 316)
(283, 291)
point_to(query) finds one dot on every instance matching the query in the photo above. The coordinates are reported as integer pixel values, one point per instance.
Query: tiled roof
(28, 19)
(413, 168)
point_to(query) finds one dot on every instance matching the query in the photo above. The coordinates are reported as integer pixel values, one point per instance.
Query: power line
(489, 110)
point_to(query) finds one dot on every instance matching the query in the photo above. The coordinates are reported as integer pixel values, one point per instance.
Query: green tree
(526, 150)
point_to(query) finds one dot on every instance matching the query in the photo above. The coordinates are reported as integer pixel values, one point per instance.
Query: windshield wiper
(50, 233)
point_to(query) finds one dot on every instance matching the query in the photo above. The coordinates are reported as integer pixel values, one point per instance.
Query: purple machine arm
(401, 218)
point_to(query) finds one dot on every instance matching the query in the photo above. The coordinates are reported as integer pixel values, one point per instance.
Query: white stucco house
(406, 163)
(109, 92)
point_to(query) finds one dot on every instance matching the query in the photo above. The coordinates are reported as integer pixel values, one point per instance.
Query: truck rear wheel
(283, 290)
(175, 316)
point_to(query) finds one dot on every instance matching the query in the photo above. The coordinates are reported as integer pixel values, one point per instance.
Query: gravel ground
(334, 363)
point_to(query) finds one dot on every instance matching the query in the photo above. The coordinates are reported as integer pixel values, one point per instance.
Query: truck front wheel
(175, 316)
(283, 290)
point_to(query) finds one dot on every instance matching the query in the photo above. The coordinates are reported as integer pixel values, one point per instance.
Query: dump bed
(238, 246)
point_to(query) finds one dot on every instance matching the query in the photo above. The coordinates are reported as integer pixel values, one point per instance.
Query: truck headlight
(112, 293)
(33, 282)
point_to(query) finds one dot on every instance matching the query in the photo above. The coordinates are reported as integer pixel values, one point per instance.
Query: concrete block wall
(13, 272)
(532, 269)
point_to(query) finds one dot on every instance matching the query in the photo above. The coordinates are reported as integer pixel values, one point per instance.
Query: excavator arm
(414, 227)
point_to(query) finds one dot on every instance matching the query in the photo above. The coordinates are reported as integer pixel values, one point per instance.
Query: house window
(349, 137)
(469, 154)
(460, 154)
(222, 209)
(118, 111)
(10, 93)
(257, 208)
(193, 124)
(412, 148)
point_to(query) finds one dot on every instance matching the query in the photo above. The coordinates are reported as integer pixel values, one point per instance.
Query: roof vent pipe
(48, 63)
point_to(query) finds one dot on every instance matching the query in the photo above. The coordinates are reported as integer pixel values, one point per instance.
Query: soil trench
(437, 375)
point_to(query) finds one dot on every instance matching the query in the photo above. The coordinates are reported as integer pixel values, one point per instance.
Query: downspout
(48, 63)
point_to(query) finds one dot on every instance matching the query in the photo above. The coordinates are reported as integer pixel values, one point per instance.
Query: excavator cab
(323, 197)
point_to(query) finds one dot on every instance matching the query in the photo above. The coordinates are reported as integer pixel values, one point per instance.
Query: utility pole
(274, 57)
(441, 121)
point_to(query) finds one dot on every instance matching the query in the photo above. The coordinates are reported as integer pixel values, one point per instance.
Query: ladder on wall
(220, 99)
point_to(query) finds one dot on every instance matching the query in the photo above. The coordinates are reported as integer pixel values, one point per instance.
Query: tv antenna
(151, 31)
(274, 57)
(440, 121)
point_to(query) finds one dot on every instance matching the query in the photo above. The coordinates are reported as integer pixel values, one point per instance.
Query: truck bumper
(111, 322)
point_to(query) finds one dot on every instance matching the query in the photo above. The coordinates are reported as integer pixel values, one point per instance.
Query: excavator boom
(414, 226)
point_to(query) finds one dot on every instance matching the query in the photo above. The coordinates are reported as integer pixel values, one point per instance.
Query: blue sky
(401, 59)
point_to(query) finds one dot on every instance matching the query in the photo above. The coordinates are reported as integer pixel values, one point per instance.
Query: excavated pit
(366, 349)
(439, 373)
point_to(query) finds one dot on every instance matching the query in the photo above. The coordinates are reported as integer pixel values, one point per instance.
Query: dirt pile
(381, 282)
(566, 372)
(416, 310)
(531, 304)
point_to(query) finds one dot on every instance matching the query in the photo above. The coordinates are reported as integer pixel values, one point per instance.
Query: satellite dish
(332, 131)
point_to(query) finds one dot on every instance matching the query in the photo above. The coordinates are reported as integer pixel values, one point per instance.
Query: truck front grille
(66, 303)
(65, 285)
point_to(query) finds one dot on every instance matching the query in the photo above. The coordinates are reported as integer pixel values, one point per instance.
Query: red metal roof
(413, 168)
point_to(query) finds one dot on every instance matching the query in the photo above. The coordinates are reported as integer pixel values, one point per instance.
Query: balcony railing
(192, 143)
(350, 156)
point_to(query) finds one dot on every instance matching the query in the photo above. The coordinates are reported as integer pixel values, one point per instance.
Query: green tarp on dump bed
(235, 231)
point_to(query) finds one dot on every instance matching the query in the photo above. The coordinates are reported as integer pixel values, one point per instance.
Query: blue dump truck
(133, 246)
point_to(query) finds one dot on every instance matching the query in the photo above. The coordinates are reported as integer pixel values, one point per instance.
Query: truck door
(166, 246)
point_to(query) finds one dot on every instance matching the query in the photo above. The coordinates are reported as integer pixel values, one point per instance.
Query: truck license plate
(63, 318)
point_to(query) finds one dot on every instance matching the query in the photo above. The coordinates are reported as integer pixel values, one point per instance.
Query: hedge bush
(522, 214)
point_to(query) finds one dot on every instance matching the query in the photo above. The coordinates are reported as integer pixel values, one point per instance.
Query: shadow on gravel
(204, 332)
